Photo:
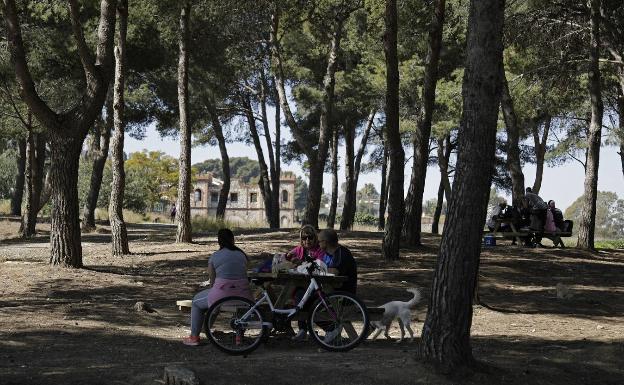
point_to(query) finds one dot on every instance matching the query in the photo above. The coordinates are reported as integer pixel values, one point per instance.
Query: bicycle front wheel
(338, 322)
(234, 326)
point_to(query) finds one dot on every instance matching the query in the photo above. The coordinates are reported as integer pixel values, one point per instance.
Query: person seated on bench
(557, 215)
(342, 259)
(538, 209)
(498, 212)
(227, 270)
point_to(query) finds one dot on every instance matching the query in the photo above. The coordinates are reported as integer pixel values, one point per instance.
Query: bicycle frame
(312, 287)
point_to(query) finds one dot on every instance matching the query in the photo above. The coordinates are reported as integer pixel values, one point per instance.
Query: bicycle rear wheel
(234, 326)
(338, 322)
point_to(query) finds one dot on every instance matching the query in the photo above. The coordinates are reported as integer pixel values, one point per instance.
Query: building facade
(245, 204)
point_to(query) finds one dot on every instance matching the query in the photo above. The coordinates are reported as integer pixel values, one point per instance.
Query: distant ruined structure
(245, 204)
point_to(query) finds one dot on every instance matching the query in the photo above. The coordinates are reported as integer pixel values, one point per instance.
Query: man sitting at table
(342, 259)
(498, 213)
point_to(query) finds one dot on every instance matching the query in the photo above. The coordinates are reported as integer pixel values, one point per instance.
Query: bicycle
(337, 321)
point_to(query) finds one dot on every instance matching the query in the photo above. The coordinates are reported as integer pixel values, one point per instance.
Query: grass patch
(5, 206)
(209, 224)
(610, 244)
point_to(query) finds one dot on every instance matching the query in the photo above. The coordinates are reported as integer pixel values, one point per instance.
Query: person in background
(342, 259)
(172, 214)
(227, 271)
(497, 213)
(538, 209)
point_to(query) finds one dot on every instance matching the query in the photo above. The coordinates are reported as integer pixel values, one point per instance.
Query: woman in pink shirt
(308, 243)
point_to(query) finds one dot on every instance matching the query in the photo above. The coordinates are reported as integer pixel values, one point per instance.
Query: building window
(214, 197)
(284, 196)
(198, 195)
(234, 197)
(253, 197)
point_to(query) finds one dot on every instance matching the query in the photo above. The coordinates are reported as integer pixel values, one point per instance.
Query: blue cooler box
(489, 240)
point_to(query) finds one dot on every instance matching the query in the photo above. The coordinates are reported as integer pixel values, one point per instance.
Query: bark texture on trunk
(272, 209)
(392, 236)
(27, 228)
(68, 129)
(18, 189)
(446, 332)
(225, 160)
(383, 194)
(540, 151)
(333, 205)
(621, 116)
(413, 201)
(276, 179)
(435, 224)
(264, 181)
(99, 154)
(350, 198)
(119, 233)
(513, 143)
(445, 147)
(587, 225)
(183, 213)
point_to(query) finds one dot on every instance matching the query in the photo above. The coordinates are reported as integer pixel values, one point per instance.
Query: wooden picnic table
(499, 222)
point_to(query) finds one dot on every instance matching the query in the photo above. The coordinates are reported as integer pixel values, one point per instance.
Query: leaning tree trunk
(264, 181)
(446, 332)
(540, 151)
(119, 233)
(587, 225)
(513, 143)
(392, 236)
(36, 185)
(438, 210)
(445, 147)
(414, 200)
(383, 194)
(101, 140)
(271, 207)
(225, 160)
(183, 213)
(331, 218)
(18, 189)
(276, 178)
(67, 129)
(360, 153)
(350, 199)
(27, 227)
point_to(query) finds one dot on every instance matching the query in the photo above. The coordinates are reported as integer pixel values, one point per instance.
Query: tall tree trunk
(225, 160)
(46, 191)
(67, 129)
(183, 213)
(272, 209)
(350, 199)
(264, 183)
(540, 151)
(316, 158)
(331, 218)
(445, 147)
(362, 149)
(18, 189)
(446, 332)
(438, 210)
(587, 225)
(621, 115)
(275, 181)
(513, 143)
(65, 238)
(383, 195)
(101, 141)
(392, 236)
(38, 179)
(414, 200)
(119, 233)
(27, 227)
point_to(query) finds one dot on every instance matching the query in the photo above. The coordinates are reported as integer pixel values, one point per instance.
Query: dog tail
(416, 298)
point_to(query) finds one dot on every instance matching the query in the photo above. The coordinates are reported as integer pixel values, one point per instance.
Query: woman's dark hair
(225, 238)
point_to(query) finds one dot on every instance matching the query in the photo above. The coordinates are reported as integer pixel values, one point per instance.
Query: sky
(564, 184)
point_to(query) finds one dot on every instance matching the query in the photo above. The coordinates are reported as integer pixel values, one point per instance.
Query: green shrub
(365, 219)
(610, 244)
(208, 224)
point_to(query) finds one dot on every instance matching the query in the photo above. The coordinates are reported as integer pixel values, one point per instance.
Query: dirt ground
(78, 326)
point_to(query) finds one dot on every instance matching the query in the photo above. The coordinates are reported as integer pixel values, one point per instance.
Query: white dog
(402, 311)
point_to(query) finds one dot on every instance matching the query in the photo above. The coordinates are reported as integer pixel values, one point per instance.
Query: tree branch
(83, 51)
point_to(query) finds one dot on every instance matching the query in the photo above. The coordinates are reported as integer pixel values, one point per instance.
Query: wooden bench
(555, 237)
